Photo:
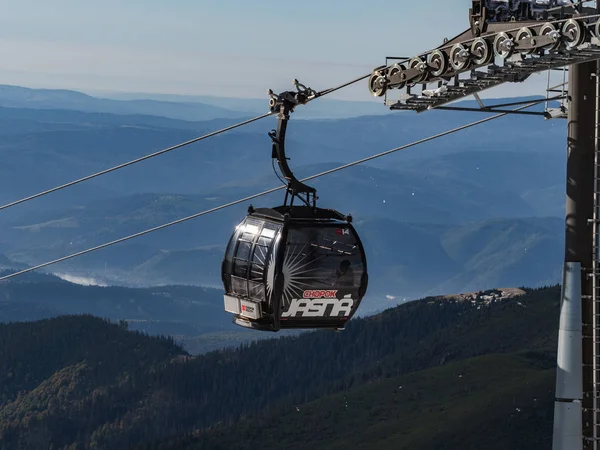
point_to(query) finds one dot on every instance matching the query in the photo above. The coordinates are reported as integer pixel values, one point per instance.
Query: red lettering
(314, 294)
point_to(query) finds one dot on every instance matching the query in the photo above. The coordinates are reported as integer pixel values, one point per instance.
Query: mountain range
(183, 107)
(473, 210)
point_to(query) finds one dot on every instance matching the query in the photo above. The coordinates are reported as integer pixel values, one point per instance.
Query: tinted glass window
(323, 259)
(247, 257)
(228, 259)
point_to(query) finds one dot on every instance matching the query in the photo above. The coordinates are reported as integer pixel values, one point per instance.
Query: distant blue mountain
(43, 148)
(191, 108)
(324, 108)
(21, 97)
(467, 211)
(406, 259)
(200, 107)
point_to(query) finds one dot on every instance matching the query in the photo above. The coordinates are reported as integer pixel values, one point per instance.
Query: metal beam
(525, 102)
(491, 110)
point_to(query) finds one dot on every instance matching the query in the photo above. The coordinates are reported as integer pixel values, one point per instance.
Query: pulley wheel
(573, 33)
(526, 34)
(396, 68)
(481, 52)
(550, 29)
(377, 84)
(459, 57)
(597, 29)
(419, 64)
(503, 45)
(437, 62)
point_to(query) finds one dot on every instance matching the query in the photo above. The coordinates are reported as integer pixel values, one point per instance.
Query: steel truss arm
(498, 53)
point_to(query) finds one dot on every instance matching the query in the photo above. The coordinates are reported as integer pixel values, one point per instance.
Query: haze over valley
(463, 213)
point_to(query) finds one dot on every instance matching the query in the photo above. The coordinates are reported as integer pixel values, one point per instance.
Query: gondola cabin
(294, 267)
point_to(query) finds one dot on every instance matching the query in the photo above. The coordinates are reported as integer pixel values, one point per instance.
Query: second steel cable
(135, 161)
(166, 150)
(269, 191)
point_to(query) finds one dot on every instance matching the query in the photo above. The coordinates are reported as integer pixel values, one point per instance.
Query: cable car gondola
(293, 266)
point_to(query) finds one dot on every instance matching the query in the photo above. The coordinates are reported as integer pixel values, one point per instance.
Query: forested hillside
(491, 402)
(80, 382)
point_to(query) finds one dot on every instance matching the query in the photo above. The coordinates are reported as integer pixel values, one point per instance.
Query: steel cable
(269, 191)
(166, 150)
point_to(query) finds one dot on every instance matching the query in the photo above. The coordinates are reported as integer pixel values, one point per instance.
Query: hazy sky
(234, 48)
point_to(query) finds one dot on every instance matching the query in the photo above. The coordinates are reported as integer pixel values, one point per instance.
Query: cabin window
(247, 257)
(323, 258)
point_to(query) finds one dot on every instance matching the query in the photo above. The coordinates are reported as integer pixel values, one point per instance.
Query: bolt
(506, 45)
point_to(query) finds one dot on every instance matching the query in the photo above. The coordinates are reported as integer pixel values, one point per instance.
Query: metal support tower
(575, 420)
(499, 48)
(591, 305)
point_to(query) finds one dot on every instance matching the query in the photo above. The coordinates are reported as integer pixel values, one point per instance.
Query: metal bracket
(302, 95)
(285, 103)
(476, 95)
(477, 15)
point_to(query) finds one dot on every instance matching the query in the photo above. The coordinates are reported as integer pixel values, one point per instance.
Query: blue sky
(231, 48)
